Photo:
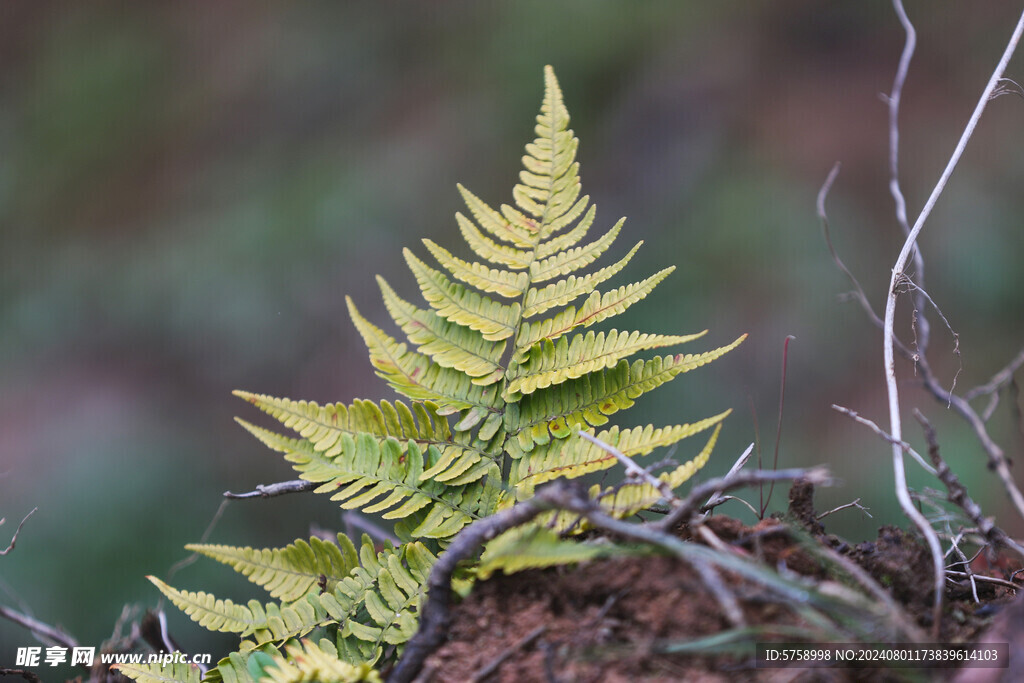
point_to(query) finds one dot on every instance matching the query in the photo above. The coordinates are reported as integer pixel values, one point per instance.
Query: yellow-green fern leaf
(452, 301)
(323, 425)
(534, 547)
(597, 308)
(291, 572)
(506, 283)
(568, 239)
(490, 250)
(208, 611)
(494, 223)
(569, 358)
(450, 345)
(590, 399)
(176, 672)
(630, 498)
(573, 259)
(418, 377)
(562, 292)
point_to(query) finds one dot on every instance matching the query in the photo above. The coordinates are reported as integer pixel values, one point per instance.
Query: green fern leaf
(291, 572)
(378, 601)
(309, 662)
(590, 399)
(159, 673)
(534, 547)
(495, 386)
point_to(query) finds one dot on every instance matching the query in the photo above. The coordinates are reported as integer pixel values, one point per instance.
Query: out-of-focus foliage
(184, 187)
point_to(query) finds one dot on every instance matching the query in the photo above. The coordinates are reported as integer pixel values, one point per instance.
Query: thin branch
(985, 579)
(852, 504)
(486, 672)
(278, 489)
(691, 504)
(778, 426)
(858, 291)
(51, 635)
(923, 328)
(885, 435)
(14, 538)
(896, 427)
(999, 380)
(957, 492)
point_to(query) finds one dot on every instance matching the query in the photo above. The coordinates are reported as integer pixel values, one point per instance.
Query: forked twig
(14, 538)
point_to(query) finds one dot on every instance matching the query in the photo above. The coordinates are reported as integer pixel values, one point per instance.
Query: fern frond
(488, 249)
(176, 672)
(550, 363)
(596, 308)
(566, 240)
(385, 477)
(323, 426)
(378, 601)
(291, 572)
(573, 259)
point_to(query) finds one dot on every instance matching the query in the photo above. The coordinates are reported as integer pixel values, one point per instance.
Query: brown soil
(614, 620)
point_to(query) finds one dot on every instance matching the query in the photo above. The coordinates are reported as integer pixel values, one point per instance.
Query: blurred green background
(188, 190)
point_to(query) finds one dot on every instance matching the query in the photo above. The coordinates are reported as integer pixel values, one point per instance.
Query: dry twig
(278, 489)
(14, 538)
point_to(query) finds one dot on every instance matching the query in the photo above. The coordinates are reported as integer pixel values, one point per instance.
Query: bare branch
(957, 492)
(14, 538)
(999, 380)
(885, 435)
(278, 489)
(852, 504)
(51, 635)
(896, 427)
